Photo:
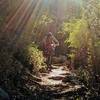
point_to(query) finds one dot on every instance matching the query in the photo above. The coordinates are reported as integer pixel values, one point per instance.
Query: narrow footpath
(59, 83)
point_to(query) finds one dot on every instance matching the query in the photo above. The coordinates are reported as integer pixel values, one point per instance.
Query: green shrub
(84, 75)
(34, 56)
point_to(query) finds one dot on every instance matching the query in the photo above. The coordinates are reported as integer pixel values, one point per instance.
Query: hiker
(49, 45)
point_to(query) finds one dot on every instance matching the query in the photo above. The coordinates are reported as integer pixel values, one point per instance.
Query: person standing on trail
(49, 45)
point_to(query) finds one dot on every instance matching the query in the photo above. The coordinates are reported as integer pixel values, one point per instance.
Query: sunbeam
(49, 49)
(16, 15)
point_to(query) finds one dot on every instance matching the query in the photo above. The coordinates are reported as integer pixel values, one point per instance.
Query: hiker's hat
(49, 34)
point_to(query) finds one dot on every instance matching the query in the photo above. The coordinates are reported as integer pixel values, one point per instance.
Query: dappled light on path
(59, 81)
(55, 73)
(55, 76)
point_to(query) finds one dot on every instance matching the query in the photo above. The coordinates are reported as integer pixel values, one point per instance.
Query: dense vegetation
(77, 28)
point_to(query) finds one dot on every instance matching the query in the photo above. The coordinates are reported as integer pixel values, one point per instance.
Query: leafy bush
(34, 56)
(84, 75)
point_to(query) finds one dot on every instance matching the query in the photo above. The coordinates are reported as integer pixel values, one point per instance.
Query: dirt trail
(59, 81)
(55, 76)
